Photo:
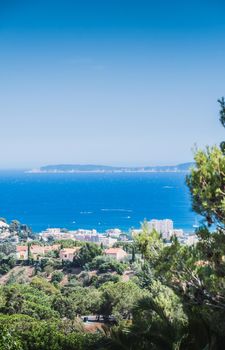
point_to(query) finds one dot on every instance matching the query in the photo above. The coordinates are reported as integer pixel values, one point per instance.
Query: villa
(21, 252)
(116, 253)
(35, 250)
(68, 254)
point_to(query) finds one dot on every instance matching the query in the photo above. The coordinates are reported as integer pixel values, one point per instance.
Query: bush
(57, 276)
(106, 264)
(86, 254)
(108, 277)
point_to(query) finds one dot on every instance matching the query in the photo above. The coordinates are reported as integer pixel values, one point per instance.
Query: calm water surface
(99, 201)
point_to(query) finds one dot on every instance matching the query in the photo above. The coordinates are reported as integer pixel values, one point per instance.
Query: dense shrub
(57, 276)
(106, 264)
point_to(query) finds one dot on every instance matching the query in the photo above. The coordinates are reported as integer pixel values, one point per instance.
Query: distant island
(91, 168)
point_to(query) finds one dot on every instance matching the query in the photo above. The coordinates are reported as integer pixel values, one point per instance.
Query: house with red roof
(22, 252)
(116, 253)
(68, 254)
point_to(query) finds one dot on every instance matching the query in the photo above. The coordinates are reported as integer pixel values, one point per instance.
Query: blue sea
(95, 201)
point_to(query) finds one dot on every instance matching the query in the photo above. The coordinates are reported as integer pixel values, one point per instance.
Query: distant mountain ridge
(75, 168)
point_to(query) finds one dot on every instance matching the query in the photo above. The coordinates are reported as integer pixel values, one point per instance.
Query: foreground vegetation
(174, 299)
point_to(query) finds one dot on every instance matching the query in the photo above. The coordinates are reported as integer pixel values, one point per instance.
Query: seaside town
(43, 243)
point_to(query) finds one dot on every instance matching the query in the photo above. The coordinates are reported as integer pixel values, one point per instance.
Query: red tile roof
(21, 248)
(114, 251)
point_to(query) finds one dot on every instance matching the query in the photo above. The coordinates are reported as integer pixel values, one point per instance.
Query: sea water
(95, 200)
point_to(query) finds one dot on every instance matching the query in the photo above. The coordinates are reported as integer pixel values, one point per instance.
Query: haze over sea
(95, 201)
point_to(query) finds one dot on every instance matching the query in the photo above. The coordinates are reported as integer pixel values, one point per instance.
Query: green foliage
(7, 248)
(4, 268)
(222, 111)
(40, 283)
(26, 333)
(119, 299)
(68, 243)
(47, 265)
(9, 340)
(169, 302)
(86, 254)
(14, 300)
(85, 300)
(106, 264)
(149, 243)
(127, 246)
(22, 230)
(98, 281)
(57, 276)
(24, 299)
(207, 184)
(65, 306)
(6, 264)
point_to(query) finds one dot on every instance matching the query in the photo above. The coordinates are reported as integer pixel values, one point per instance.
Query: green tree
(85, 300)
(149, 243)
(207, 185)
(43, 285)
(118, 299)
(65, 306)
(106, 264)
(68, 243)
(9, 340)
(57, 276)
(7, 248)
(15, 226)
(87, 253)
(14, 300)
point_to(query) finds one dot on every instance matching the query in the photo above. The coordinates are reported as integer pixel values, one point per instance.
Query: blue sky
(111, 82)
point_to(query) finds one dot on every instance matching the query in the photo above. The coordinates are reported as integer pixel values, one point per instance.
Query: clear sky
(129, 82)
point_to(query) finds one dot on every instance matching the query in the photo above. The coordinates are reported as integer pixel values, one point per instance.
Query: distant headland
(91, 168)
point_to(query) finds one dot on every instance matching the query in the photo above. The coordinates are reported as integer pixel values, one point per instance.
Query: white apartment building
(53, 231)
(164, 227)
(84, 232)
(179, 233)
(113, 232)
(87, 236)
(107, 241)
(192, 239)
